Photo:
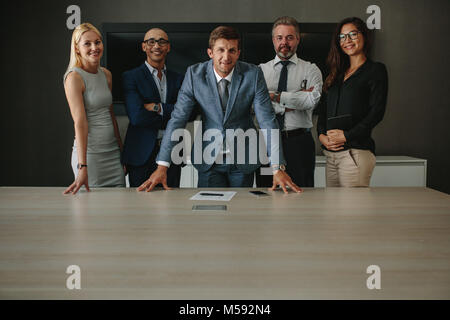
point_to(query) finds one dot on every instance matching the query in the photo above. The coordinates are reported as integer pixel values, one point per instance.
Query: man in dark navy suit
(150, 95)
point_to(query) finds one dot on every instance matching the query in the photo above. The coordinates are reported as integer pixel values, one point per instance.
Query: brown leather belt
(295, 132)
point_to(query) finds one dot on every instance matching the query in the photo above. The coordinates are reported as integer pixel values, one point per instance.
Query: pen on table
(211, 194)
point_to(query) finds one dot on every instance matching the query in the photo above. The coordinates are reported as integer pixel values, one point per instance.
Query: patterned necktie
(223, 93)
(282, 86)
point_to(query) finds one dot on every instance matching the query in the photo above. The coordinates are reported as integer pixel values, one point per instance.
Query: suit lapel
(148, 76)
(212, 83)
(235, 83)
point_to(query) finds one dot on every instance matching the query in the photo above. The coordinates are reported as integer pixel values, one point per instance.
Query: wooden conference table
(315, 245)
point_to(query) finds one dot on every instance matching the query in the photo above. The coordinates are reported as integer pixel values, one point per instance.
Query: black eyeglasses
(151, 42)
(352, 35)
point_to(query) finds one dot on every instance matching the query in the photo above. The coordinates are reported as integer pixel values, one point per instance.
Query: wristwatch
(277, 167)
(156, 107)
(277, 96)
(79, 166)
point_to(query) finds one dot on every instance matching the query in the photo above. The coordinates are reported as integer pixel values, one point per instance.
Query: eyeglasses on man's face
(151, 42)
(352, 35)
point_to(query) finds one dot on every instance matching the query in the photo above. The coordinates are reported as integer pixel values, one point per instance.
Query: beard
(288, 55)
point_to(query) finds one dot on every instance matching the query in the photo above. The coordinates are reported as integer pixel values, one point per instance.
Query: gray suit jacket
(248, 88)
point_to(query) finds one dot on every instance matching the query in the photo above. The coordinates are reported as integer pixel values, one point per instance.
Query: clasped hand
(334, 140)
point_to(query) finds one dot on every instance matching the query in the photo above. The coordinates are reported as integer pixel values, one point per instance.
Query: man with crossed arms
(295, 88)
(150, 92)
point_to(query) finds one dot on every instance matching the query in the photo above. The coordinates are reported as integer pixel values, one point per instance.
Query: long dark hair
(337, 60)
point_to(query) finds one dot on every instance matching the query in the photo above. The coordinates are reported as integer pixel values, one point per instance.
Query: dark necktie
(223, 93)
(282, 86)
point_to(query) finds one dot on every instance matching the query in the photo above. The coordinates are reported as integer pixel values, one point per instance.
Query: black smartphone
(259, 193)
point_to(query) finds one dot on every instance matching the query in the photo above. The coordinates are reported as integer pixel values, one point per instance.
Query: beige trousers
(349, 168)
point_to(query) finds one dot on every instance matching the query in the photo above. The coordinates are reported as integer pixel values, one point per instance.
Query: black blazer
(363, 96)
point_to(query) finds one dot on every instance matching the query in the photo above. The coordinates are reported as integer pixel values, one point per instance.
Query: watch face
(156, 107)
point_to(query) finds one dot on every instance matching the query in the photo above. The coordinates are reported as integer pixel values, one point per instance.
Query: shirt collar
(228, 77)
(292, 59)
(154, 70)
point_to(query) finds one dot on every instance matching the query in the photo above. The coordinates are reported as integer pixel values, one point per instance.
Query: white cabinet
(390, 171)
(189, 176)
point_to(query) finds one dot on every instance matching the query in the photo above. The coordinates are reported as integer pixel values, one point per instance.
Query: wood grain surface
(314, 245)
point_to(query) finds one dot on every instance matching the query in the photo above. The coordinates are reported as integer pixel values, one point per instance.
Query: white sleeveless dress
(103, 153)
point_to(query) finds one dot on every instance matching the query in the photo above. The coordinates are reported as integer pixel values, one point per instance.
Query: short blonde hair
(75, 58)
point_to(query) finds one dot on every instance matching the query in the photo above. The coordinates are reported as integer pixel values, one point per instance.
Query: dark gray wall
(37, 129)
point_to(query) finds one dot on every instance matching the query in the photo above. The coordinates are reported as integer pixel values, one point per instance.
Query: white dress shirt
(228, 77)
(303, 102)
(162, 88)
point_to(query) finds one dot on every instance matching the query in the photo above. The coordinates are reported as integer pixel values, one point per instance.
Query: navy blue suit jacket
(140, 88)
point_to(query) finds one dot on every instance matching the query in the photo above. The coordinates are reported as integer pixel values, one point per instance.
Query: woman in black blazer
(353, 103)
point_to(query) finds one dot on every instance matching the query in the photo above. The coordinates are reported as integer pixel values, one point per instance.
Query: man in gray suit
(225, 89)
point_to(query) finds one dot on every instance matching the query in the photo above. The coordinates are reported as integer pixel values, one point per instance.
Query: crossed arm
(304, 99)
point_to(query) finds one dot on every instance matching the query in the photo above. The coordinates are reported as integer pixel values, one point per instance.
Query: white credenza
(189, 176)
(390, 171)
